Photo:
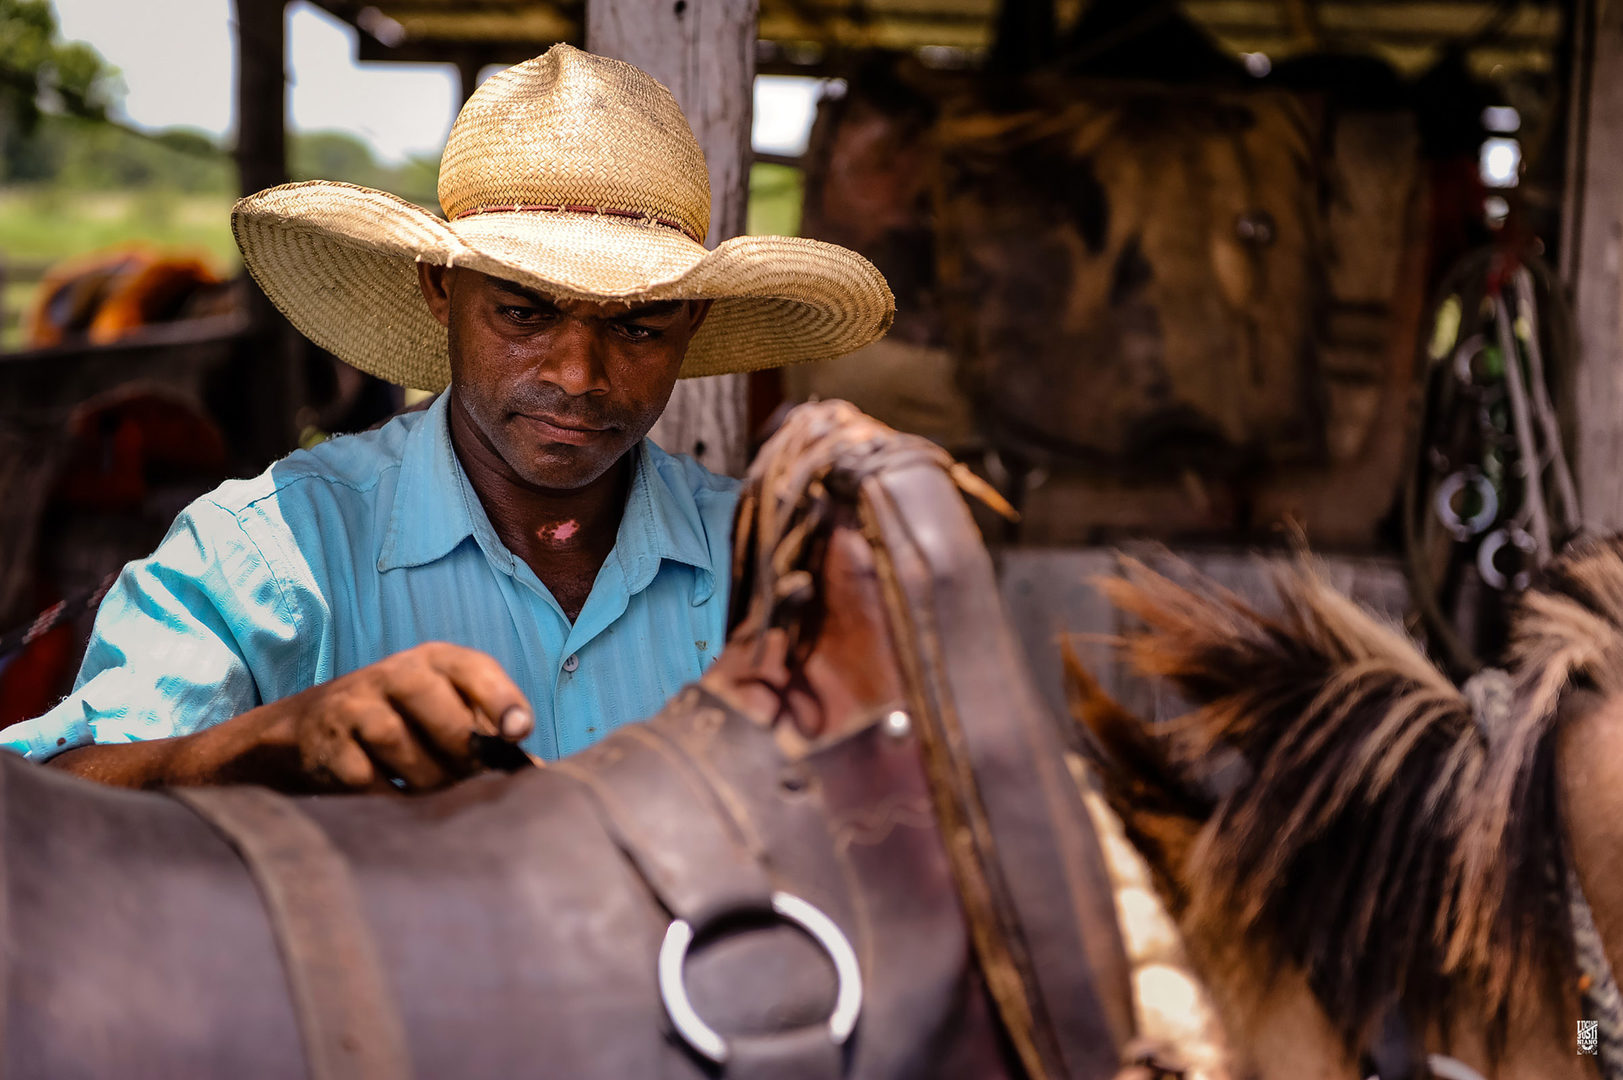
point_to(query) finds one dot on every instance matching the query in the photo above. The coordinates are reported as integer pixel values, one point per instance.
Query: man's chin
(558, 467)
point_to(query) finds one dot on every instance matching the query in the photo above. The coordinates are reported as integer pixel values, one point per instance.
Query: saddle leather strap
(700, 859)
(347, 1014)
(1035, 892)
(1029, 870)
(696, 863)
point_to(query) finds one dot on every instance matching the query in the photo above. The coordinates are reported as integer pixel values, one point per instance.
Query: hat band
(575, 208)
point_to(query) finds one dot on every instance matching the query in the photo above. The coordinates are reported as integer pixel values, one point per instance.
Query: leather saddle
(920, 897)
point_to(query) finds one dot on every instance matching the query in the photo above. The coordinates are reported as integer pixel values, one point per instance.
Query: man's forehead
(609, 310)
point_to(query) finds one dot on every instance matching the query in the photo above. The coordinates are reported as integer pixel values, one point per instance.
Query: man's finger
(391, 742)
(436, 709)
(344, 765)
(481, 680)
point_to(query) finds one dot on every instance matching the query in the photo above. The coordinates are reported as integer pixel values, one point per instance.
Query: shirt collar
(435, 509)
(431, 513)
(661, 521)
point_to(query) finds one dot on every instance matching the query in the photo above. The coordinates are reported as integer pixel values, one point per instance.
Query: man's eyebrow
(528, 295)
(651, 311)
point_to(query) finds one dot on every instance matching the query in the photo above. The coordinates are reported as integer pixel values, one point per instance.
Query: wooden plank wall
(1594, 260)
(1049, 594)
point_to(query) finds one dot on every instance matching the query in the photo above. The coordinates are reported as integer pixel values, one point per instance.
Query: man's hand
(410, 717)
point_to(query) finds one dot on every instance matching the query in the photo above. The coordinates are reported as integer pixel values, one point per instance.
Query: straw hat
(574, 175)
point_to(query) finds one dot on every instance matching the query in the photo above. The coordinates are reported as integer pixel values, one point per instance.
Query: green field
(775, 197)
(47, 224)
(40, 226)
(43, 226)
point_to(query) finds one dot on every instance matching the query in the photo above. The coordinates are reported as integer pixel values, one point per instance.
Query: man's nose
(574, 359)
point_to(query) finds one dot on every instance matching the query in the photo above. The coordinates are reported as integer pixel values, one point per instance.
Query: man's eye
(521, 314)
(633, 332)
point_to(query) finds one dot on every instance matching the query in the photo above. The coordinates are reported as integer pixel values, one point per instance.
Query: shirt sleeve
(176, 643)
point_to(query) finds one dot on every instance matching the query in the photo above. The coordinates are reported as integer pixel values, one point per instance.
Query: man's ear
(435, 282)
(698, 310)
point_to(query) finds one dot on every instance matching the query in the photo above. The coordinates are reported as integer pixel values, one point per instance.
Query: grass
(50, 224)
(43, 226)
(40, 226)
(775, 197)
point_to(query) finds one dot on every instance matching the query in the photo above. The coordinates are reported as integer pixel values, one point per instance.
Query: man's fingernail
(516, 722)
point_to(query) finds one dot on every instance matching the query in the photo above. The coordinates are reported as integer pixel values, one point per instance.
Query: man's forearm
(256, 747)
(408, 719)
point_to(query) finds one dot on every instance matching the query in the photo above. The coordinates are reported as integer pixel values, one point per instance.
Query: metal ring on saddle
(791, 909)
(1488, 552)
(1452, 485)
(1465, 357)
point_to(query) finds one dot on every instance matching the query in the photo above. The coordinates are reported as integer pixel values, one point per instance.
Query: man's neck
(563, 536)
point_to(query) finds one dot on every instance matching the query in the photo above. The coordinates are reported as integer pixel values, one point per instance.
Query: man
(517, 561)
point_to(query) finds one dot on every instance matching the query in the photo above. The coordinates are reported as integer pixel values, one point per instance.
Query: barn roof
(808, 34)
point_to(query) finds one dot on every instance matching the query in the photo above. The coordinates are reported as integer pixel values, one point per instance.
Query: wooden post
(467, 70)
(1025, 35)
(271, 362)
(704, 51)
(1594, 259)
(261, 94)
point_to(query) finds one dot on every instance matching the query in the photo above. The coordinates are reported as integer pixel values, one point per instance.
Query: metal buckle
(792, 909)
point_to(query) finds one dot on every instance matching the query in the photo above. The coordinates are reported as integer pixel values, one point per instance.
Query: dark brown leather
(703, 863)
(517, 919)
(698, 863)
(348, 1019)
(136, 942)
(1027, 862)
(514, 932)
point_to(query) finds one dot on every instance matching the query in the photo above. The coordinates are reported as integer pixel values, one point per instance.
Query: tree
(338, 155)
(41, 74)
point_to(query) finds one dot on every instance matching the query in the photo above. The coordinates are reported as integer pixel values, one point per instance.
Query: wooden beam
(704, 51)
(1595, 261)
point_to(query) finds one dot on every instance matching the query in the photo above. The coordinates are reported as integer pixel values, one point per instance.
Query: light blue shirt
(336, 557)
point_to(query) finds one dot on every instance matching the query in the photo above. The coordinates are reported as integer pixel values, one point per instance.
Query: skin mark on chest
(561, 533)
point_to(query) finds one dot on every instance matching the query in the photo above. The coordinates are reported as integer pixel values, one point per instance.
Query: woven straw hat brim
(340, 262)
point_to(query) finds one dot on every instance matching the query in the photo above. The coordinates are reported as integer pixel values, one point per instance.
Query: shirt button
(572, 662)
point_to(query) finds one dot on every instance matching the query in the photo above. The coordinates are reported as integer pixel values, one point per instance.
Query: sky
(178, 63)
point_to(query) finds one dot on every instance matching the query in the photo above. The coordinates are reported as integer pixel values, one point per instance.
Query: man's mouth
(559, 429)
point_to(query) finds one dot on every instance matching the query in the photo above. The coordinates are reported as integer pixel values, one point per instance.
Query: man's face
(557, 389)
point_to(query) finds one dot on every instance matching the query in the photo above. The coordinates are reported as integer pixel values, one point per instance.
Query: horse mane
(1379, 839)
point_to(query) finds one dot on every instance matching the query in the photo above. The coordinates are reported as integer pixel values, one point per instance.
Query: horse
(851, 849)
(1334, 815)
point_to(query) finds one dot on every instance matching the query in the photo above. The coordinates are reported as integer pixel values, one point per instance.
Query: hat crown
(571, 129)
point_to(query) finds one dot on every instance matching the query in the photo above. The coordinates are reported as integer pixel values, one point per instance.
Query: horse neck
(1273, 1027)
(1589, 779)
(846, 672)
